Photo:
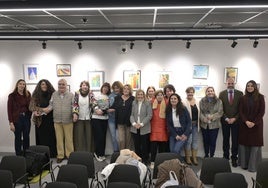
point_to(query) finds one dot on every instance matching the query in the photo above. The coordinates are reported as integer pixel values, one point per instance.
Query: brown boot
(188, 157)
(194, 154)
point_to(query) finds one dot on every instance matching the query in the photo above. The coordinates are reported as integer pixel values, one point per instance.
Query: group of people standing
(152, 121)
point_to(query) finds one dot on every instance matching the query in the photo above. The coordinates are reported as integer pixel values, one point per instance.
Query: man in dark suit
(230, 99)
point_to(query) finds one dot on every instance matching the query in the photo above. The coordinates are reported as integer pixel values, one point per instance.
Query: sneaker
(152, 165)
(97, 158)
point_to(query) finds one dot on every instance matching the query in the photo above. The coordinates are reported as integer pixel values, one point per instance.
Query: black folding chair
(261, 180)
(74, 173)
(17, 166)
(230, 180)
(212, 166)
(47, 166)
(6, 179)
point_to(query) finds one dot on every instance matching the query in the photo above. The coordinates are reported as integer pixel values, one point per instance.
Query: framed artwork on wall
(230, 72)
(163, 78)
(63, 70)
(200, 71)
(200, 90)
(95, 79)
(31, 74)
(133, 78)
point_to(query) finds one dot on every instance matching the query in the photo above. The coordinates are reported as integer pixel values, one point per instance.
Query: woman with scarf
(159, 134)
(211, 111)
(82, 109)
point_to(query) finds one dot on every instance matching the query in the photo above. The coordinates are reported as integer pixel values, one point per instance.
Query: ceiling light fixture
(131, 45)
(233, 45)
(44, 44)
(188, 44)
(255, 43)
(79, 44)
(150, 45)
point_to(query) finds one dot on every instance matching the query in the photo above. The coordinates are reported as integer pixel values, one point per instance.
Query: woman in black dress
(44, 125)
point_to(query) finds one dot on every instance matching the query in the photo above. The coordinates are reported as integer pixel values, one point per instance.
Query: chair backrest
(74, 173)
(6, 179)
(160, 158)
(83, 158)
(16, 165)
(230, 180)
(125, 173)
(262, 174)
(114, 156)
(40, 149)
(122, 185)
(58, 184)
(212, 166)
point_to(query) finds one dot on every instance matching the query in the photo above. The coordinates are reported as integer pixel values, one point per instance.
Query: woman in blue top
(179, 123)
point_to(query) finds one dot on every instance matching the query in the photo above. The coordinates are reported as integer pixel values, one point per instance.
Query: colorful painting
(96, 79)
(63, 70)
(133, 78)
(164, 78)
(200, 90)
(230, 72)
(200, 71)
(31, 74)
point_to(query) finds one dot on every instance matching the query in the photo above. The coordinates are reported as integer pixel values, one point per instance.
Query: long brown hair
(25, 91)
(179, 106)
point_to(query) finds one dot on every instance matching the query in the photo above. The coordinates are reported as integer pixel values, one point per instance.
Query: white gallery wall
(171, 56)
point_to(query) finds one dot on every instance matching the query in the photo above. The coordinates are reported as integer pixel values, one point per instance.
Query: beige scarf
(162, 110)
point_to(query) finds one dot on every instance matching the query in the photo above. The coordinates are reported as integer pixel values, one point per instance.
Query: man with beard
(230, 99)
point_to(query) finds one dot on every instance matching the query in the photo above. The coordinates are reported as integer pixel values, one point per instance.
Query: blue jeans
(114, 134)
(176, 145)
(192, 141)
(22, 128)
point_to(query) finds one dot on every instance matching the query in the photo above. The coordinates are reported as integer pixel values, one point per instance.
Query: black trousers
(99, 131)
(22, 133)
(230, 130)
(141, 144)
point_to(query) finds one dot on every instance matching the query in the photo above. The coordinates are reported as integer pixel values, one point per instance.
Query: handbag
(173, 180)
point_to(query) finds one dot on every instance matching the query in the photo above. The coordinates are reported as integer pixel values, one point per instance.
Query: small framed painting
(200, 71)
(63, 70)
(200, 90)
(163, 79)
(95, 79)
(132, 78)
(230, 72)
(31, 74)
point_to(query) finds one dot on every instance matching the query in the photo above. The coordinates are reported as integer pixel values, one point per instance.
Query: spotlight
(188, 44)
(150, 45)
(44, 44)
(233, 44)
(79, 44)
(131, 45)
(255, 43)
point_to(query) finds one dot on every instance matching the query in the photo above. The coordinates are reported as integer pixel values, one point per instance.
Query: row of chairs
(213, 171)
